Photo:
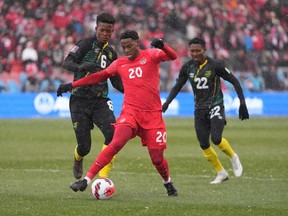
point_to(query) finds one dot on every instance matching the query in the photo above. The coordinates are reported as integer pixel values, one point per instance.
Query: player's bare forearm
(92, 79)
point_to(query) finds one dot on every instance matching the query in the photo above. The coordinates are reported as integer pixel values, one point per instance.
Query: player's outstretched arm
(92, 79)
(173, 93)
(243, 111)
(70, 64)
(89, 80)
(169, 53)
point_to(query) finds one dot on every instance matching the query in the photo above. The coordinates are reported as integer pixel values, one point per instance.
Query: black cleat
(171, 191)
(78, 168)
(79, 185)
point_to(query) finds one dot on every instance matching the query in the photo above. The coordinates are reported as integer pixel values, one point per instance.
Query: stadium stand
(250, 36)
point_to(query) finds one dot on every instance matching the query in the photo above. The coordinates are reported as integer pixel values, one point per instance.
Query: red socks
(160, 163)
(163, 170)
(121, 136)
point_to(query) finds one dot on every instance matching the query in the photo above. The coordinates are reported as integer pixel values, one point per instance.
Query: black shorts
(87, 112)
(209, 121)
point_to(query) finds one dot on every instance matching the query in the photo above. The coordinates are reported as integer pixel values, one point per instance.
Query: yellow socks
(104, 172)
(76, 155)
(212, 157)
(226, 148)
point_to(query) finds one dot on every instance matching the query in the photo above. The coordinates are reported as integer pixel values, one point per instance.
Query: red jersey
(140, 78)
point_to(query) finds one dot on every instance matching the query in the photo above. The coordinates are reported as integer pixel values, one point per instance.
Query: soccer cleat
(79, 185)
(78, 168)
(171, 191)
(237, 166)
(222, 176)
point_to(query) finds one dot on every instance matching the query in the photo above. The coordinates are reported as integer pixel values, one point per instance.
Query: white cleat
(237, 166)
(222, 176)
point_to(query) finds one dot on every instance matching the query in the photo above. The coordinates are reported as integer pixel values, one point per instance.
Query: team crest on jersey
(74, 49)
(75, 125)
(122, 120)
(208, 73)
(143, 61)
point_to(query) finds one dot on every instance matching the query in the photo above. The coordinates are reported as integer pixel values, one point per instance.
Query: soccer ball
(102, 189)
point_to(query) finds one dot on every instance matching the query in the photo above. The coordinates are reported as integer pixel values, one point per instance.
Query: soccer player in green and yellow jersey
(90, 105)
(204, 74)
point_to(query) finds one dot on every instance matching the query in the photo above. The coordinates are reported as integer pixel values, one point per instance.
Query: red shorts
(148, 125)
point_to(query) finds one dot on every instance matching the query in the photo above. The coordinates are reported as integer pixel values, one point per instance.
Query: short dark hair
(198, 41)
(129, 34)
(105, 18)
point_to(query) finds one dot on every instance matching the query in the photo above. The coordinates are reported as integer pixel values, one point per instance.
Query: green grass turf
(36, 170)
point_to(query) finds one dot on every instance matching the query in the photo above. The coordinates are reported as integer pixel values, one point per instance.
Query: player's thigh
(154, 138)
(218, 122)
(202, 127)
(81, 120)
(104, 118)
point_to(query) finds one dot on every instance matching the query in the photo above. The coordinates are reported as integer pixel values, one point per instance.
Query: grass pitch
(36, 159)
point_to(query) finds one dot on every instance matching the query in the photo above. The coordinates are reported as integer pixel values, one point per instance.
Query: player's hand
(63, 88)
(243, 112)
(165, 107)
(88, 67)
(157, 43)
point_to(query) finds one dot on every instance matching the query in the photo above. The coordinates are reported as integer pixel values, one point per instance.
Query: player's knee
(108, 137)
(216, 140)
(156, 157)
(157, 161)
(83, 150)
(204, 145)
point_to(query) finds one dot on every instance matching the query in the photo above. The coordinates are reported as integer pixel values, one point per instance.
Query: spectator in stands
(29, 53)
(222, 24)
(273, 82)
(257, 82)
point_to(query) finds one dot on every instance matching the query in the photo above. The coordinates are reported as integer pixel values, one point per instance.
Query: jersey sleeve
(166, 54)
(226, 74)
(97, 77)
(80, 49)
(181, 80)
(112, 68)
(92, 79)
(72, 61)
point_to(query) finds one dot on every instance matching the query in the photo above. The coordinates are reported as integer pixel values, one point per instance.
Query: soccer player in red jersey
(142, 110)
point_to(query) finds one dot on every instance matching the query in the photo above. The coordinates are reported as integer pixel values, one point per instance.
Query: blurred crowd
(249, 36)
